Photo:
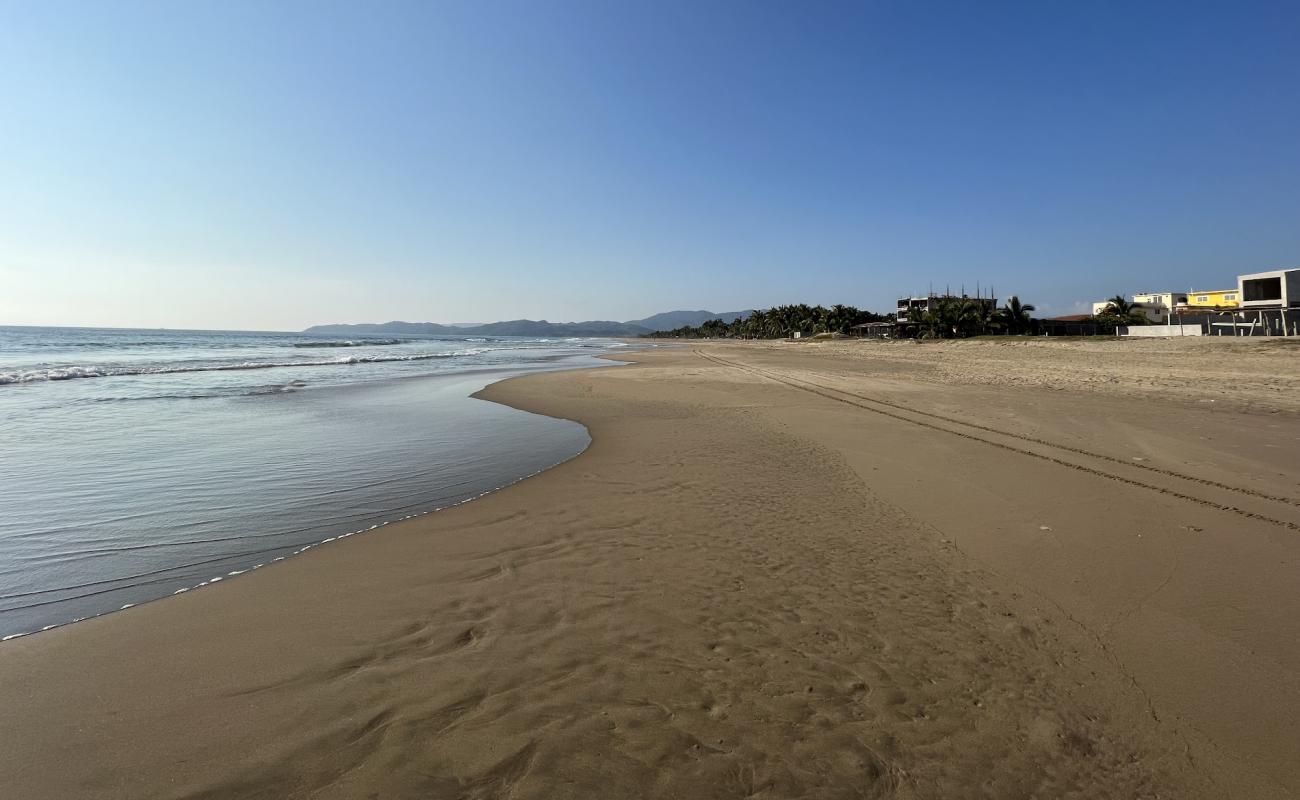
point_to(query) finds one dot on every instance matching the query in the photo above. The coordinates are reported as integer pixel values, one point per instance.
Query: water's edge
(508, 375)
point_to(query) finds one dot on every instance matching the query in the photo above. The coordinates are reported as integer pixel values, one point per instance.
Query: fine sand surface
(779, 571)
(1246, 373)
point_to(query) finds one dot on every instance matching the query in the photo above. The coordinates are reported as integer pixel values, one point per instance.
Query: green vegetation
(1119, 311)
(778, 323)
(949, 318)
(962, 317)
(1017, 316)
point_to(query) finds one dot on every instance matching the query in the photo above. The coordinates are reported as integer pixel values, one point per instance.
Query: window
(1262, 289)
(1202, 298)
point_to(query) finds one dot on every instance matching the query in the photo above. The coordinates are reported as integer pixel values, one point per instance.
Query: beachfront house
(1157, 306)
(1215, 300)
(1276, 289)
(1160, 305)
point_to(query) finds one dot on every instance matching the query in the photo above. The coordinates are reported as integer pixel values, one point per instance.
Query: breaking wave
(350, 343)
(103, 371)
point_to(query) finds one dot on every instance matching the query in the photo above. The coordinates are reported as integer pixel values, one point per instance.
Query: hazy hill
(670, 320)
(386, 327)
(529, 327)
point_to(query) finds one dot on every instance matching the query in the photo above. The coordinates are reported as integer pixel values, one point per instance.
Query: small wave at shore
(103, 371)
(241, 391)
(284, 549)
(93, 345)
(352, 343)
(276, 388)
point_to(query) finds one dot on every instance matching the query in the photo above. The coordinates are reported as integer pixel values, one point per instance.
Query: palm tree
(979, 317)
(837, 319)
(1018, 316)
(773, 328)
(1117, 306)
(1124, 312)
(929, 320)
(945, 318)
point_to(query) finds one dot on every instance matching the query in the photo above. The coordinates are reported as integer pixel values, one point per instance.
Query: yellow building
(1207, 301)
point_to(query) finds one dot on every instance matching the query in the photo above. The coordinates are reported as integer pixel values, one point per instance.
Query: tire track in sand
(900, 412)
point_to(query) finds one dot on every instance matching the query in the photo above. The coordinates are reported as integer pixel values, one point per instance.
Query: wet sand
(777, 572)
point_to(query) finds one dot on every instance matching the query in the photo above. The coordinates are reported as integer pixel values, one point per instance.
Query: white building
(1279, 288)
(1157, 306)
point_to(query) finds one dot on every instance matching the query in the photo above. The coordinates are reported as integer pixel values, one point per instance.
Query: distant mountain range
(529, 327)
(669, 320)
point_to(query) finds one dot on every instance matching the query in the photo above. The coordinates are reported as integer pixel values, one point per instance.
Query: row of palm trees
(958, 317)
(779, 322)
(946, 318)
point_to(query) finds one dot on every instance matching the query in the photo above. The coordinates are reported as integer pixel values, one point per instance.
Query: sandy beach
(844, 569)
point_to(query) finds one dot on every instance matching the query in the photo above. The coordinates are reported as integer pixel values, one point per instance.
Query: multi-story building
(1279, 288)
(1159, 305)
(911, 309)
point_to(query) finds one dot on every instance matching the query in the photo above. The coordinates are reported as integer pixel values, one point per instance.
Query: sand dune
(758, 582)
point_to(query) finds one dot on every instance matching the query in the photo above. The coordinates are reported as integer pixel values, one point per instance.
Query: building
(911, 309)
(1157, 306)
(1277, 289)
(1263, 304)
(874, 330)
(1071, 325)
(1209, 301)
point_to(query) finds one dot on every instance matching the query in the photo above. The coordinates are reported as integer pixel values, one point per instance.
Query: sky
(276, 165)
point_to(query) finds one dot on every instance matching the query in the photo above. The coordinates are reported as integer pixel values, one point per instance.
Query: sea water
(135, 464)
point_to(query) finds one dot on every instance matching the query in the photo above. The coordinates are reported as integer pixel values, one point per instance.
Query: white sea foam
(354, 343)
(72, 372)
(75, 372)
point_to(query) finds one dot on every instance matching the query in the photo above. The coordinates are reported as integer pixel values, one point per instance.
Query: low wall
(1161, 330)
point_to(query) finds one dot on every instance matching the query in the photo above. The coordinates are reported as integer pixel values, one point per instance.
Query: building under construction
(912, 309)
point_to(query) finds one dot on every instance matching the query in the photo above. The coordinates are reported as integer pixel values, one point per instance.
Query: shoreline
(737, 584)
(326, 531)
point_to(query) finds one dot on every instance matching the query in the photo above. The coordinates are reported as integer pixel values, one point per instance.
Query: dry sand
(779, 571)
(1247, 373)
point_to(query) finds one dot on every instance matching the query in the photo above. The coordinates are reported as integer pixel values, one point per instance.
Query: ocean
(136, 464)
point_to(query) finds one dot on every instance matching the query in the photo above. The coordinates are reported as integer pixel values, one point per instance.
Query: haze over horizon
(276, 166)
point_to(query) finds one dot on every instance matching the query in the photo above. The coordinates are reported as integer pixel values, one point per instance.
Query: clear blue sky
(274, 164)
